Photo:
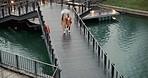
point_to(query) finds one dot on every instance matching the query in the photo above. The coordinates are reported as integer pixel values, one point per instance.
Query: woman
(63, 22)
(68, 22)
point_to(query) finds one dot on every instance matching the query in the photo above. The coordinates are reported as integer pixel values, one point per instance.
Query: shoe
(69, 31)
(64, 32)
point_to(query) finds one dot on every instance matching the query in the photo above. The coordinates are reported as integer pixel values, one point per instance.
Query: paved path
(76, 56)
(4, 73)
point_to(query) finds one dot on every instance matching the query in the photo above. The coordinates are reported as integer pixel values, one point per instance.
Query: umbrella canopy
(65, 11)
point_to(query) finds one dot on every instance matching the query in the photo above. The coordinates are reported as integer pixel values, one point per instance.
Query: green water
(126, 43)
(25, 43)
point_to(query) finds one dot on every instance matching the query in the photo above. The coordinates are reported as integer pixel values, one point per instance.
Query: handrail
(26, 65)
(53, 57)
(55, 64)
(96, 46)
(18, 8)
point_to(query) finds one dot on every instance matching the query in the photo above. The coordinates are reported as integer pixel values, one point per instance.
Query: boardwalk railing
(24, 7)
(51, 52)
(27, 66)
(18, 8)
(102, 56)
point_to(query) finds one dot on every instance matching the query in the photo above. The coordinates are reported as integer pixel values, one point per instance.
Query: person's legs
(69, 29)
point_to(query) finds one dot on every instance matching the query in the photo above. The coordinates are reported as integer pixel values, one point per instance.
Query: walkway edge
(127, 10)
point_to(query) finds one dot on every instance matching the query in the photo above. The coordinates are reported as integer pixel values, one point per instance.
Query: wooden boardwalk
(77, 58)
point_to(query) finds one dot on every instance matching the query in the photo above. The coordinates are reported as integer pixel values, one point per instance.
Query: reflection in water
(126, 43)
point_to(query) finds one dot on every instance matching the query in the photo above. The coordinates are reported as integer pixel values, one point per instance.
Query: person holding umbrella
(63, 22)
(68, 22)
(64, 13)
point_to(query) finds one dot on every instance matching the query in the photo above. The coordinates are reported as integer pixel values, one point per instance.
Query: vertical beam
(112, 70)
(61, 2)
(35, 67)
(17, 63)
(98, 51)
(93, 43)
(105, 59)
(3, 11)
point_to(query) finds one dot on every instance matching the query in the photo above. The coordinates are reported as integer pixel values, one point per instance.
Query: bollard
(112, 70)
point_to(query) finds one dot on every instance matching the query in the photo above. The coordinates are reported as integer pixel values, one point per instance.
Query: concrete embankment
(127, 10)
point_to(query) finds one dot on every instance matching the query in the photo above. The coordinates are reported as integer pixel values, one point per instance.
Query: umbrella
(65, 11)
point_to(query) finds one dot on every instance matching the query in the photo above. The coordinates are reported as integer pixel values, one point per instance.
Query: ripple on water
(126, 42)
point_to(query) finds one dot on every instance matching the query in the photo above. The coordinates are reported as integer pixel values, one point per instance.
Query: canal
(125, 40)
(27, 43)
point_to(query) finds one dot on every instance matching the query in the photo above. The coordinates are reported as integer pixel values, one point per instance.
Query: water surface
(126, 43)
(25, 43)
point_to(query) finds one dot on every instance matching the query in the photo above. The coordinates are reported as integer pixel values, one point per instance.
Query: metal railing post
(84, 29)
(17, 62)
(112, 70)
(98, 51)
(9, 12)
(88, 36)
(116, 74)
(26, 6)
(108, 64)
(93, 43)
(19, 10)
(3, 12)
(105, 59)
(0, 56)
(35, 67)
(53, 57)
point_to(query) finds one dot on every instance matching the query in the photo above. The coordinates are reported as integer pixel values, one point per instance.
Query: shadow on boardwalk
(77, 58)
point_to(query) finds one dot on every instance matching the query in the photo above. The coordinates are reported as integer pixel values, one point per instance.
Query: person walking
(63, 22)
(68, 22)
